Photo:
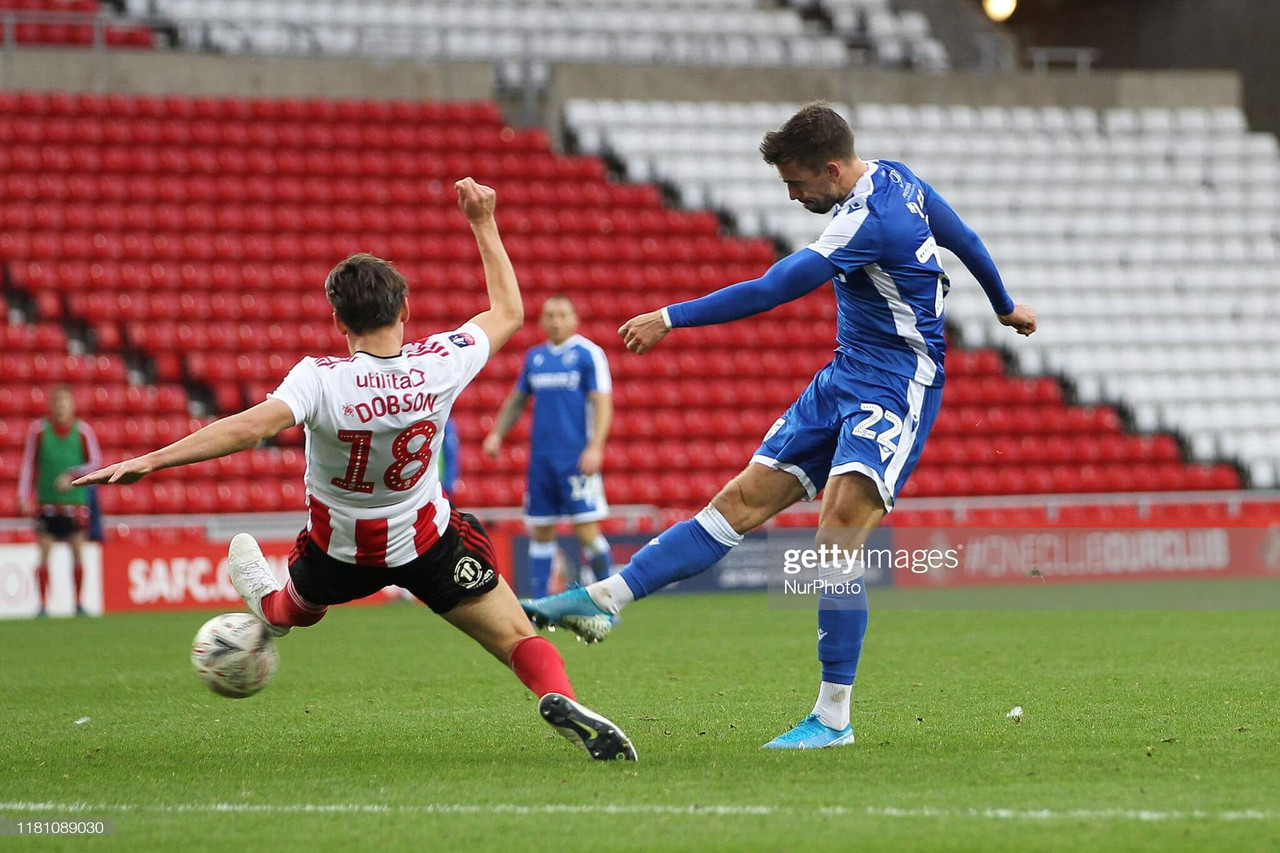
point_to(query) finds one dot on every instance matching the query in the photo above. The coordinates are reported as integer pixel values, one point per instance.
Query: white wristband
(666, 318)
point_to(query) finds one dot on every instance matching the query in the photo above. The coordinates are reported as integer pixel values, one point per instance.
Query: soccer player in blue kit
(568, 379)
(860, 426)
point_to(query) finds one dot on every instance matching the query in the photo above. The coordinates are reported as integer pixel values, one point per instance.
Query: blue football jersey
(559, 378)
(890, 289)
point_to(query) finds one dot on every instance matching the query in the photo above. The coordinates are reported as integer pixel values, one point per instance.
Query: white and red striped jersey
(374, 425)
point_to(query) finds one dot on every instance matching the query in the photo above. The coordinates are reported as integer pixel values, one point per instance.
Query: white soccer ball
(234, 655)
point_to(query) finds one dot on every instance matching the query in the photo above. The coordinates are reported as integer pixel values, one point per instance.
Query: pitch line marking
(640, 809)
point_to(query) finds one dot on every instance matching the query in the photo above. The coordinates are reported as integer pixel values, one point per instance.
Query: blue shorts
(849, 420)
(556, 490)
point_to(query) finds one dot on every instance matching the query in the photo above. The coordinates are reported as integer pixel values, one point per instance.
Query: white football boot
(252, 577)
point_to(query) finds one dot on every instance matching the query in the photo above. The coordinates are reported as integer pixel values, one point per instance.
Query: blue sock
(599, 557)
(680, 552)
(842, 623)
(540, 557)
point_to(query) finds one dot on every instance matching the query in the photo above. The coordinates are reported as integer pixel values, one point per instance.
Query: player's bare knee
(506, 642)
(587, 531)
(852, 501)
(543, 533)
(504, 633)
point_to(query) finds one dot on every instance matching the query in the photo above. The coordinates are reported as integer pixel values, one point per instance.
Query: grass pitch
(1145, 729)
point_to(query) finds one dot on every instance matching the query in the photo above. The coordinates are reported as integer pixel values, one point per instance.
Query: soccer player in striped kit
(377, 515)
(59, 448)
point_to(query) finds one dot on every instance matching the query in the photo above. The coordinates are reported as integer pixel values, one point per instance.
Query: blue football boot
(810, 733)
(574, 610)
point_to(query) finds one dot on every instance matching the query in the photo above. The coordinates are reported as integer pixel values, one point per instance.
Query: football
(234, 655)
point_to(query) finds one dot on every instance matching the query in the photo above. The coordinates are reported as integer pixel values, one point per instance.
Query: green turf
(1168, 711)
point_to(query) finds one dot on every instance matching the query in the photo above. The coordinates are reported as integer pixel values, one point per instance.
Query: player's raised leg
(791, 463)
(682, 551)
(496, 621)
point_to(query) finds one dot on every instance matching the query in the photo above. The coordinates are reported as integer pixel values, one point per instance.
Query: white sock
(612, 594)
(718, 527)
(832, 706)
(597, 546)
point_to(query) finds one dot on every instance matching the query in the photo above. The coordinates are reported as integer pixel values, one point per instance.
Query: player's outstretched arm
(507, 417)
(954, 233)
(790, 278)
(220, 438)
(506, 308)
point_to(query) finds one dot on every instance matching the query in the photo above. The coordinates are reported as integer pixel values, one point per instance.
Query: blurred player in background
(59, 449)
(860, 426)
(568, 378)
(377, 515)
(450, 468)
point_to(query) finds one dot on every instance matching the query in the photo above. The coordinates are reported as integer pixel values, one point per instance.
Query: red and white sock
(538, 664)
(286, 608)
(77, 573)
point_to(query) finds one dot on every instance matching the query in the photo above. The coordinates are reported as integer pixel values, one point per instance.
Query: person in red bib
(59, 449)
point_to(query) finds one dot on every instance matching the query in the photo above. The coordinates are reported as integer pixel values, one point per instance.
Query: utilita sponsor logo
(396, 381)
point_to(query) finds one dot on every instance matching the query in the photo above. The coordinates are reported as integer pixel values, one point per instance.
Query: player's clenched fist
(476, 200)
(642, 332)
(1022, 320)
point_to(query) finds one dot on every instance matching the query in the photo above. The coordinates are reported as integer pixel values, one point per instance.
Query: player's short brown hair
(814, 136)
(366, 292)
(560, 297)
